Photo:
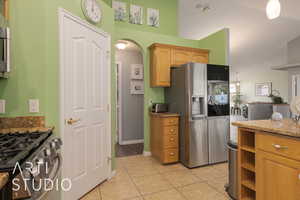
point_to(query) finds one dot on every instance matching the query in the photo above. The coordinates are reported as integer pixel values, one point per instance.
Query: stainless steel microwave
(4, 51)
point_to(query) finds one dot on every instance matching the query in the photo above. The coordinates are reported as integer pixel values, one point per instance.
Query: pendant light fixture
(273, 9)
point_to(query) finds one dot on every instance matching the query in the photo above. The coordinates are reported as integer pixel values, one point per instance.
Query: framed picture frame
(263, 89)
(153, 17)
(137, 72)
(137, 87)
(136, 14)
(120, 9)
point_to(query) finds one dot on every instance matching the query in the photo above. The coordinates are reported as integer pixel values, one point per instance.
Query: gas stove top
(18, 146)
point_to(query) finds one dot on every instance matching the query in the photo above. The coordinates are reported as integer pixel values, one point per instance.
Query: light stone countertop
(164, 114)
(286, 127)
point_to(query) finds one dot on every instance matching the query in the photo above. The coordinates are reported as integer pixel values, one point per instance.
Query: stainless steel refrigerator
(200, 94)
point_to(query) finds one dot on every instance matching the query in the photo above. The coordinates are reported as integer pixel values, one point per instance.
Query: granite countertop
(3, 179)
(164, 114)
(285, 127)
(25, 130)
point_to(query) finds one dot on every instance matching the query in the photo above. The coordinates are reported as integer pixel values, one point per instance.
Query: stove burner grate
(16, 147)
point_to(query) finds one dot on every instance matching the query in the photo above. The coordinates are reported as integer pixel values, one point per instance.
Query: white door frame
(64, 13)
(119, 90)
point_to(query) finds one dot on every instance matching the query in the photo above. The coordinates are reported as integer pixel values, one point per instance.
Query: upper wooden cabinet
(164, 56)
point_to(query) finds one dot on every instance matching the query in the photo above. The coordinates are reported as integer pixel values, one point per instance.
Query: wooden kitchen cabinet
(164, 56)
(164, 137)
(180, 57)
(277, 177)
(268, 160)
(160, 66)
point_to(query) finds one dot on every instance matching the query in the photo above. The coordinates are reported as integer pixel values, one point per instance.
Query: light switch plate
(2, 106)
(34, 106)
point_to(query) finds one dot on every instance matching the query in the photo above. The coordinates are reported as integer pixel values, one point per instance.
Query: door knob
(72, 121)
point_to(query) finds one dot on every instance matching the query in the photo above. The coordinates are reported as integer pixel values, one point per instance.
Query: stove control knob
(58, 141)
(47, 152)
(56, 144)
(53, 145)
(35, 171)
(40, 161)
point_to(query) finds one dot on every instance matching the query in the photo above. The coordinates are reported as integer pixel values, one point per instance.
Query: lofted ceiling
(254, 39)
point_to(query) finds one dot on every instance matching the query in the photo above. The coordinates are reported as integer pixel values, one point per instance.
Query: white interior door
(85, 105)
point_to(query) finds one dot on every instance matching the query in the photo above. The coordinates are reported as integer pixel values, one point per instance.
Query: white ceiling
(253, 38)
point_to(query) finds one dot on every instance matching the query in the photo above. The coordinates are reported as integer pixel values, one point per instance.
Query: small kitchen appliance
(159, 107)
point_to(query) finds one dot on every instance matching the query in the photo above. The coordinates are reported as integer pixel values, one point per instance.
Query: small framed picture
(263, 89)
(137, 71)
(120, 10)
(153, 17)
(137, 87)
(136, 14)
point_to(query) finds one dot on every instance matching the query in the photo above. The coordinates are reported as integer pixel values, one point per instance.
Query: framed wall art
(136, 14)
(137, 87)
(263, 89)
(137, 71)
(120, 10)
(153, 17)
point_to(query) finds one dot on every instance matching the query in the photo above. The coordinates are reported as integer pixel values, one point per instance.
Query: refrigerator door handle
(197, 117)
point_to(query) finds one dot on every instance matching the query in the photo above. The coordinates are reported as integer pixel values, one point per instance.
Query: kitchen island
(268, 160)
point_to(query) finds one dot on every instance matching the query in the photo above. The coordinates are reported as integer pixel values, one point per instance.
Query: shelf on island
(248, 148)
(249, 184)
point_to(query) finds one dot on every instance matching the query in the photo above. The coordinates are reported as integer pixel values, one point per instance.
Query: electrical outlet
(34, 106)
(2, 106)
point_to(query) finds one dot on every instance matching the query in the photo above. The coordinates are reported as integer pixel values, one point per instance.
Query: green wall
(27, 57)
(35, 55)
(218, 43)
(168, 16)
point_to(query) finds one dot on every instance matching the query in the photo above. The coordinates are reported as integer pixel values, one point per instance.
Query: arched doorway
(130, 98)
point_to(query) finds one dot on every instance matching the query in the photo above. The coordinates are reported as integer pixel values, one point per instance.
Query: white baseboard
(112, 174)
(131, 142)
(147, 153)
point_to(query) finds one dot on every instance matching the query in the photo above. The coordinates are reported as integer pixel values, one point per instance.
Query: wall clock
(91, 10)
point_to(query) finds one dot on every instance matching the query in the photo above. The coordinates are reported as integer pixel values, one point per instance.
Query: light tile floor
(143, 178)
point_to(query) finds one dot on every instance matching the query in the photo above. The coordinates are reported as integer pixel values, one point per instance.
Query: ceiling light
(121, 45)
(203, 7)
(273, 9)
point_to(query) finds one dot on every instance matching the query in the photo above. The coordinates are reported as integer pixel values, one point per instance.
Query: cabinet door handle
(172, 154)
(277, 146)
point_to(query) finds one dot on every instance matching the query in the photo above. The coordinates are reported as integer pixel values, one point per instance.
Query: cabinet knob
(277, 146)
(172, 154)
(172, 139)
(172, 130)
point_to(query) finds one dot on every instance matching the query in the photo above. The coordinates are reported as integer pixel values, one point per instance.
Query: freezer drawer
(218, 132)
(198, 143)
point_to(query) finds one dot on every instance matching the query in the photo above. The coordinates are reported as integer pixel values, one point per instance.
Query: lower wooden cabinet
(164, 137)
(268, 166)
(278, 178)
